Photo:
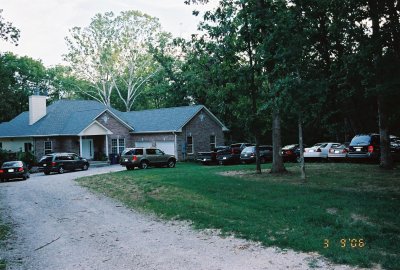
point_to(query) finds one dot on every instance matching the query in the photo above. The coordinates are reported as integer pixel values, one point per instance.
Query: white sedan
(319, 150)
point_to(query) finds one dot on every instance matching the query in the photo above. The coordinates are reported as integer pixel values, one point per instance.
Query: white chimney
(37, 108)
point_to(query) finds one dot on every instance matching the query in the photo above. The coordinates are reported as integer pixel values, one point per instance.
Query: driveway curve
(59, 225)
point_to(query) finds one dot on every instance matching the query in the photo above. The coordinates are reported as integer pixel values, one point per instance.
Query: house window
(213, 142)
(117, 146)
(121, 145)
(189, 145)
(27, 147)
(48, 147)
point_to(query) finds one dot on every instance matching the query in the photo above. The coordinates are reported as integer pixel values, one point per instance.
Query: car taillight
(289, 152)
(134, 158)
(370, 149)
(21, 169)
(53, 164)
(344, 151)
(319, 150)
(331, 150)
(1, 171)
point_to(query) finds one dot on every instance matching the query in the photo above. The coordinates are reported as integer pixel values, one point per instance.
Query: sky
(45, 23)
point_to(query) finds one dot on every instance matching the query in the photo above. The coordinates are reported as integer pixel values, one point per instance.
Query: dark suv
(61, 162)
(367, 147)
(145, 157)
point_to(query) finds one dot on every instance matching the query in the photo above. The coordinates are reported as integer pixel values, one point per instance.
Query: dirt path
(59, 225)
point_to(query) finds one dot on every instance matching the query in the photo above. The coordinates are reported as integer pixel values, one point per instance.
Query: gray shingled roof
(168, 119)
(64, 117)
(70, 117)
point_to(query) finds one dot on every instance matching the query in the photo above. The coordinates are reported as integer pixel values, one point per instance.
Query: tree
(8, 32)
(20, 78)
(112, 54)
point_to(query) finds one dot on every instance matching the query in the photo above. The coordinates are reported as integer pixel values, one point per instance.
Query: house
(94, 131)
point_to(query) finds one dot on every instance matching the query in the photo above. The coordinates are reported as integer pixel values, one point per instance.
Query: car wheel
(46, 173)
(144, 165)
(85, 167)
(220, 162)
(171, 163)
(61, 170)
(129, 168)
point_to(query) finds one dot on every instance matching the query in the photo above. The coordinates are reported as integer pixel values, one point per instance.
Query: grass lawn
(3, 234)
(347, 212)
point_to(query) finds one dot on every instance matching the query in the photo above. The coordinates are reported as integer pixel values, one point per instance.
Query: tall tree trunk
(301, 145)
(386, 161)
(277, 161)
(258, 162)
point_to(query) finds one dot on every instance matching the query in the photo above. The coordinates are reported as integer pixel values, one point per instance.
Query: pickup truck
(231, 155)
(207, 158)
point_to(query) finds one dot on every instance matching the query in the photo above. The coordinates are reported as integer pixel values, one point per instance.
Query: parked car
(367, 147)
(338, 153)
(319, 150)
(248, 154)
(14, 169)
(231, 155)
(291, 152)
(145, 157)
(207, 158)
(61, 162)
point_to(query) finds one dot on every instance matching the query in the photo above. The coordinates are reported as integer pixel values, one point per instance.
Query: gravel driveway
(60, 225)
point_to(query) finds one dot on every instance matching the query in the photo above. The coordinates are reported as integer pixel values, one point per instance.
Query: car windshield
(361, 140)
(11, 164)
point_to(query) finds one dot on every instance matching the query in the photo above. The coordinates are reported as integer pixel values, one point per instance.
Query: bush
(28, 158)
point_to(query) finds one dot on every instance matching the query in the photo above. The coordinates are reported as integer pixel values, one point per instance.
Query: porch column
(107, 146)
(80, 145)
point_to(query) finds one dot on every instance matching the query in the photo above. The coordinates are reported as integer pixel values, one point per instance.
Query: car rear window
(46, 159)
(11, 164)
(290, 146)
(133, 152)
(236, 145)
(249, 149)
(361, 140)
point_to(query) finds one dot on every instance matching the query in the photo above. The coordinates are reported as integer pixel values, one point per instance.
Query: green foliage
(20, 77)
(8, 32)
(28, 158)
(341, 201)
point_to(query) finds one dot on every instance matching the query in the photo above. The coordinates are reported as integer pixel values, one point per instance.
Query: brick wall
(201, 127)
(59, 144)
(119, 130)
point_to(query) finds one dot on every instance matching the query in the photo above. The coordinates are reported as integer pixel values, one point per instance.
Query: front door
(87, 148)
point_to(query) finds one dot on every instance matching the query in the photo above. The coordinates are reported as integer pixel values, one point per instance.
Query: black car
(14, 169)
(248, 154)
(231, 154)
(367, 147)
(61, 162)
(207, 158)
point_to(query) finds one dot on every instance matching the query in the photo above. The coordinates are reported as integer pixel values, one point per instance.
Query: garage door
(143, 144)
(167, 146)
